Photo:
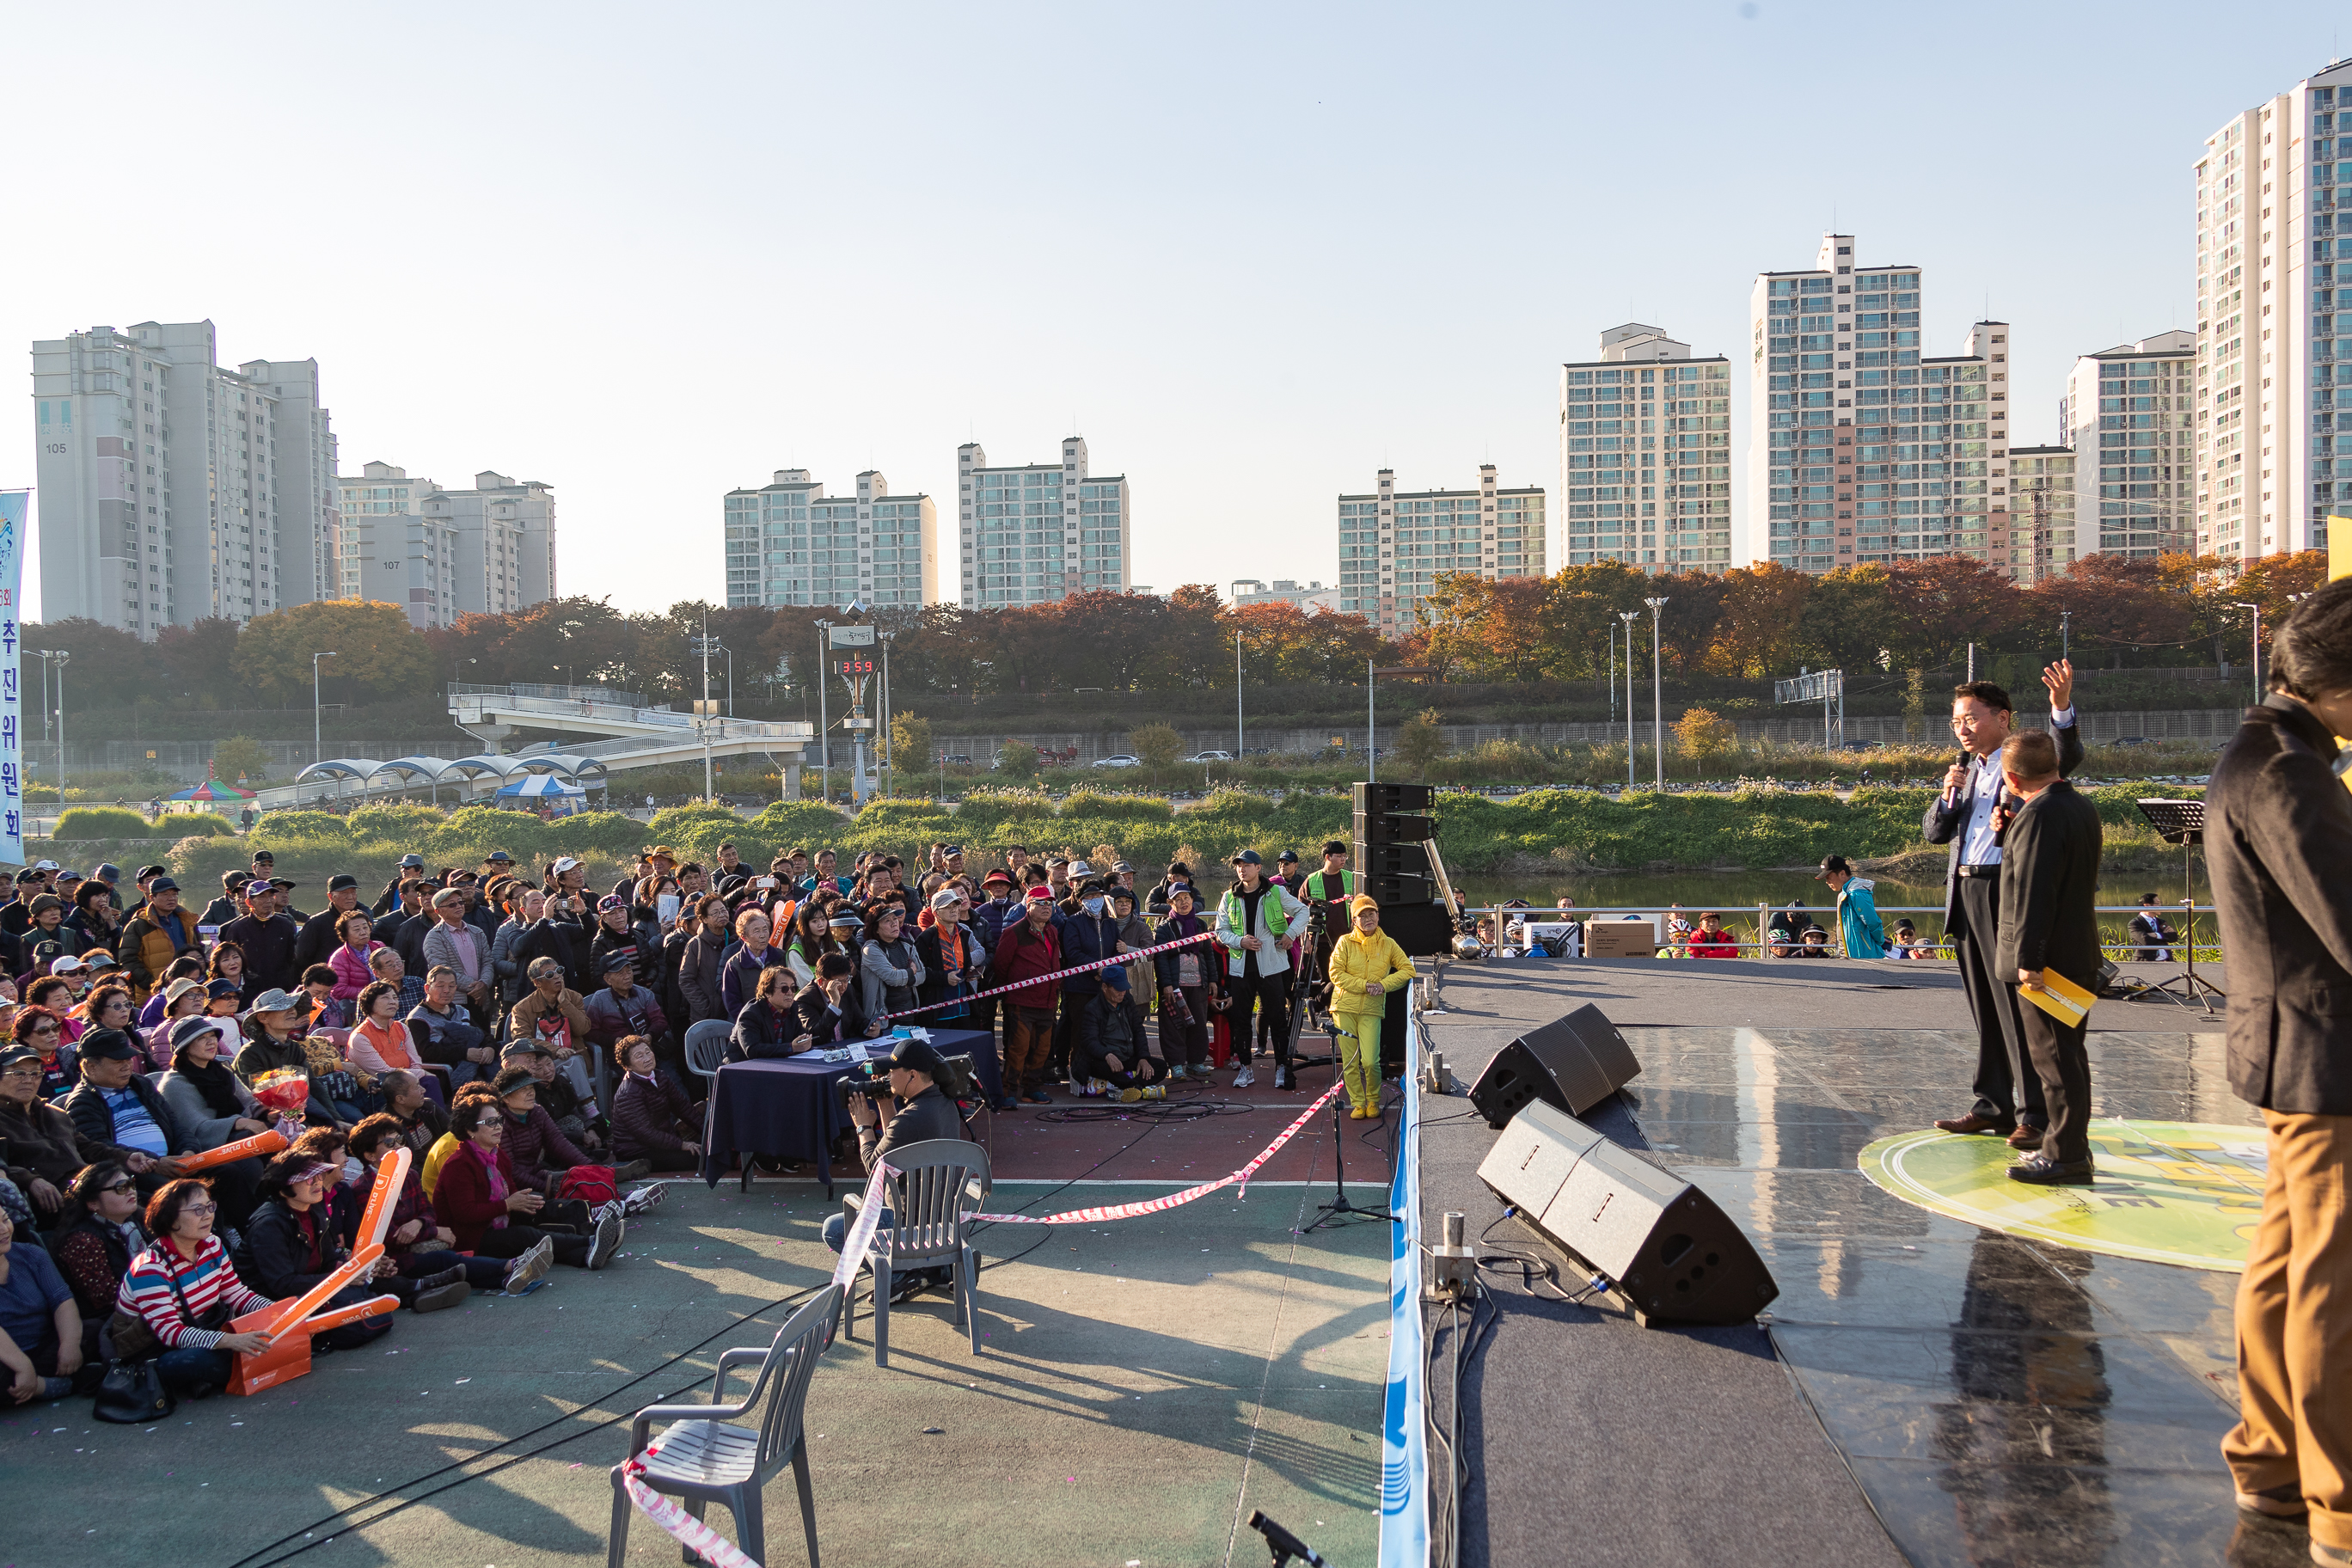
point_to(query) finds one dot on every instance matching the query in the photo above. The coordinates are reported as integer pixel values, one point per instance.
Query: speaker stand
(1339, 1207)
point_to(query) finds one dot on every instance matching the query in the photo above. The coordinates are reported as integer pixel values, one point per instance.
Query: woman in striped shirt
(184, 1289)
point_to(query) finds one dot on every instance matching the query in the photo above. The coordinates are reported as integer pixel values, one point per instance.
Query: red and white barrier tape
(1095, 968)
(861, 1234)
(1173, 1200)
(688, 1531)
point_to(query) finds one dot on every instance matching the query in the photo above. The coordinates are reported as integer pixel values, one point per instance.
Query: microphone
(1282, 1543)
(1961, 762)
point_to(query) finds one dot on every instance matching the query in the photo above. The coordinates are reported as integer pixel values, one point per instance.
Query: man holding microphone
(1969, 815)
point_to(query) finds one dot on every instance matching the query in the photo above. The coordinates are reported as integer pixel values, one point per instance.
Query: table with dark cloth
(788, 1108)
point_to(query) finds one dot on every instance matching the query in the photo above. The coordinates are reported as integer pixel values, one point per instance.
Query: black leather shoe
(2044, 1171)
(1972, 1122)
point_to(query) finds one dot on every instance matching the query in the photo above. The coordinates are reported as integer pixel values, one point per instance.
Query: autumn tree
(1762, 605)
(1581, 604)
(104, 665)
(2115, 604)
(240, 758)
(1158, 744)
(378, 654)
(1945, 603)
(1419, 741)
(1849, 618)
(1701, 733)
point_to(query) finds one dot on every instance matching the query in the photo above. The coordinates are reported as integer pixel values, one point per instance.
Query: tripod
(1286, 1059)
(2183, 822)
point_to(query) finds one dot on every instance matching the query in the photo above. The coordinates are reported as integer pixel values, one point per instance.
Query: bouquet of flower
(286, 1091)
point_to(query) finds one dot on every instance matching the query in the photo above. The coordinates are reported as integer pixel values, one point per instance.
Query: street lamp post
(823, 723)
(1657, 694)
(705, 644)
(317, 726)
(1237, 695)
(1629, 618)
(2236, 604)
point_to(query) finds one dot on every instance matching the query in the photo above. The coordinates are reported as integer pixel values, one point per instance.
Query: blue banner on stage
(1404, 1424)
(12, 715)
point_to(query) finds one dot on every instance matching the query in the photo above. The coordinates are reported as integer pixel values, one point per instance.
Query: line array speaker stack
(1391, 823)
(1570, 1064)
(1662, 1245)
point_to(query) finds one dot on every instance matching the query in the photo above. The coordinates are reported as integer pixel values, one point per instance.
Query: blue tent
(535, 789)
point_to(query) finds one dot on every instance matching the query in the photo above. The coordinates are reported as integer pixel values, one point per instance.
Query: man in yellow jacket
(1366, 965)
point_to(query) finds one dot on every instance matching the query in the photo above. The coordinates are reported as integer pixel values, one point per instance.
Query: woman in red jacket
(486, 1206)
(1030, 948)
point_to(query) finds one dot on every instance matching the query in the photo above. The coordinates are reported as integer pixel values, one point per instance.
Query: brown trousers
(2294, 1328)
(1028, 1042)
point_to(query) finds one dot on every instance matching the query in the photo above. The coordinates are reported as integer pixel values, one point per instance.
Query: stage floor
(1921, 1385)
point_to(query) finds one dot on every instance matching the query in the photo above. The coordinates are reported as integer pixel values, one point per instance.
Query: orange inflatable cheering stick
(288, 1325)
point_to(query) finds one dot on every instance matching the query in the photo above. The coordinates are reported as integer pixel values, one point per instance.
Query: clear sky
(1252, 253)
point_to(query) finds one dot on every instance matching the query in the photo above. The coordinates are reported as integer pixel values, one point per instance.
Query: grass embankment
(1550, 829)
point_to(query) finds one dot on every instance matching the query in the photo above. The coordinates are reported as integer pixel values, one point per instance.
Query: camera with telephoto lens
(871, 1079)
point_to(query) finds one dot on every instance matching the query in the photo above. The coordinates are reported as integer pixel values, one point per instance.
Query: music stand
(2183, 822)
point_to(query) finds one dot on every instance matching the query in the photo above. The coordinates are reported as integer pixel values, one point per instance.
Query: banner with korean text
(12, 718)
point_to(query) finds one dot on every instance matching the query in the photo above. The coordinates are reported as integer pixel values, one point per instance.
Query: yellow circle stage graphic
(2185, 1192)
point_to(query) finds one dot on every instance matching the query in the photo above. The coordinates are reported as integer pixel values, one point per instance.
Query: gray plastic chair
(704, 1459)
(706, 1047)
(941, 1181)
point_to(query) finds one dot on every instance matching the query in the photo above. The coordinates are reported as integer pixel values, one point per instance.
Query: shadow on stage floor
(1921, 1385)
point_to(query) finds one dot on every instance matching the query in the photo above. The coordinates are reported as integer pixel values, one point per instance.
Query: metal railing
(1652, 914)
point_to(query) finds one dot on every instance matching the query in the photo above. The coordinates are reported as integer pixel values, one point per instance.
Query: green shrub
(299, 824)
(799, 823)
(395, 821)
(1100, 804)
(983, 809)
(102, 822)
(192, 825)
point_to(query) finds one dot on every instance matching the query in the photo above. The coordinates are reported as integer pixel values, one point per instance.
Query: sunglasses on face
(119, 1187)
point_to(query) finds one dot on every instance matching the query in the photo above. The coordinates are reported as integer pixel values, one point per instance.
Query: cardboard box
(1621, 939)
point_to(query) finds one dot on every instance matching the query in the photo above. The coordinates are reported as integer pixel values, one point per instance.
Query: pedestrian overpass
(584, 734)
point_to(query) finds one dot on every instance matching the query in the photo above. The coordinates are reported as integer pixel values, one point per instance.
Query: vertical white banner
(12, 718)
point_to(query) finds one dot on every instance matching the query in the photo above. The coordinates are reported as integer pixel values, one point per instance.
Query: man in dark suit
(2278, 839)
(2050, 924)
(1968, 816)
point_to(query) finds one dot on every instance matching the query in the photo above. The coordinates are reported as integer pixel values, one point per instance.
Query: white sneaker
(645, 1200)
(1244, 1079)
(607, 1239)
(530, 1266)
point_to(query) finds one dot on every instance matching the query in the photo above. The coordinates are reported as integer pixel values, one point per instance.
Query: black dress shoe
(1972, 1122)
(2044, 1171)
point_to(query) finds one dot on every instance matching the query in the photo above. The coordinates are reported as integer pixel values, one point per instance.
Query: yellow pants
(1360, 1058)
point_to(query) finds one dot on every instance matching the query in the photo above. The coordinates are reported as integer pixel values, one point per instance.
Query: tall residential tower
(1394, 544)
(2128, 416)
(1862, 451)
(1645, 456)
(788, 543)
(441, 553)
(1040, 531)
(172, 489)
(2273, 192)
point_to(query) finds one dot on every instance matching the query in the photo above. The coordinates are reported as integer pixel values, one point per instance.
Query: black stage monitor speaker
(1664, 1246)
(1572, 1064)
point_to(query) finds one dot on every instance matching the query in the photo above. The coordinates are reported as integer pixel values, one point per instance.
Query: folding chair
(700, 1459)
(941, 1183)
(706, 1047)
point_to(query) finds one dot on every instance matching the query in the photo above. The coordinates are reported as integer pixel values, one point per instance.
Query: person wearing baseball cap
(265, 936)
(161, 931)
(1857, 908)
(1254, 922)
(319, 937)
(916, 1113)
(1111, 1045)
(389, 900)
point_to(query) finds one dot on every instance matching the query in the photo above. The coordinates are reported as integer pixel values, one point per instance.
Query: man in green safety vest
(1330, 888)
(1255, 922)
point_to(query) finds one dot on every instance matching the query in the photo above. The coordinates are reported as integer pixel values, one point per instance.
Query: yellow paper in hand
(2060, 998)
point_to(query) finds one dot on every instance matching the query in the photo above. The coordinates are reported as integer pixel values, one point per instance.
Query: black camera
(871, 1079)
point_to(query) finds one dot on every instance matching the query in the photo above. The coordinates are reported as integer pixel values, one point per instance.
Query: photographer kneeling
(1112, 1044)
(914, 1112)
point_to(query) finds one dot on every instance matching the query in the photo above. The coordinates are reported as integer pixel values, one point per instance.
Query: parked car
(955, 761)
(1211, 757)
(1120, 760)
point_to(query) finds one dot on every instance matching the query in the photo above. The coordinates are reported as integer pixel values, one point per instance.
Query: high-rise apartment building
(1644, 455)
(2043, 498)
(2273, 188)
(2129, 413)
(1040, 531)
(441, 553)
(1394, 543)
(788, 543)
(172, 489)
(1862, 449)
